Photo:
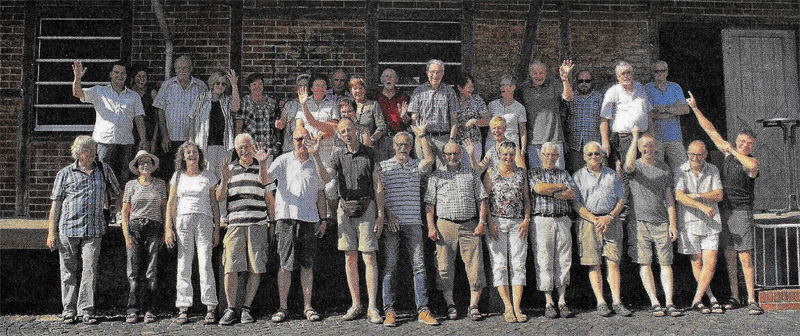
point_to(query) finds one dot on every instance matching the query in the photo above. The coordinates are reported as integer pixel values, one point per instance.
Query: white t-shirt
(513, 114)
(194, 193)
(297, 184)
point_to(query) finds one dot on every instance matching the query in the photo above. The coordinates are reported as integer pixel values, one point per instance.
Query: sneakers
(132, 318)
(374, 316)
(426, 317)
(246, 317)
(621, 310)
(149, 317)
(391, 319)
(352, 313)
(602, 310)
(228, 317)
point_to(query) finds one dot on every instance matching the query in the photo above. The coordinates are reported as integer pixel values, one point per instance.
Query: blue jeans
(412, 237)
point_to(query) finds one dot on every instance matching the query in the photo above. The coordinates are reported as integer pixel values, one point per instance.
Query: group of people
(388, 167)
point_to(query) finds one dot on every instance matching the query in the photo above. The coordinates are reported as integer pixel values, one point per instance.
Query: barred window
(406, 46)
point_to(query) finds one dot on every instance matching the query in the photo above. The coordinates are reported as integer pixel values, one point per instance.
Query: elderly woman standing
(472, 113)
(368, 113)
(144, 204)
(211, 118)
(258, 114)
(510, 206)
(139, 83)
(76, 225)
(512, 111)
(193, 216)
(497, 131)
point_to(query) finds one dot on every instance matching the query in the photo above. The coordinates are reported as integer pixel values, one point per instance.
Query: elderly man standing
(358, 230)
(625, 105)
(542, 98)
(552, 189)
(174, 102)
(654, 221)
(397, 191)
(300, 210)
(698, 188)
(668, 105)
(117, 110)
(247, 239)
(393, 104)
(338, 90)
(600, 230)
(739, 172)
(457, 196)
(583, 120)
(435, 104)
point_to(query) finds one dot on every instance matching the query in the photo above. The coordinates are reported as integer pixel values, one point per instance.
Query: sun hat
(139, 155)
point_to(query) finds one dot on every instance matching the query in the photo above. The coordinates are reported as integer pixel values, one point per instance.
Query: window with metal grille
(406, 46)
(97, 42)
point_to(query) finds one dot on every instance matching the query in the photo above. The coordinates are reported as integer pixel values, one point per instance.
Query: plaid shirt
(584, 120)
(549, 205)
(81, 198)
(690, 219)
(455, 193)
(434, 106)
(259, 121)
(176, 103)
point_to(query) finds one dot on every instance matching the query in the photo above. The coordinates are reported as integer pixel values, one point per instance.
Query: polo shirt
(625, 109)
(668, 129)
(543, 114)
(354, 172)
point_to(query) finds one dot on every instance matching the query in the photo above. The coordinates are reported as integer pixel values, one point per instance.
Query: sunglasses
(584, 81)
(594, 154)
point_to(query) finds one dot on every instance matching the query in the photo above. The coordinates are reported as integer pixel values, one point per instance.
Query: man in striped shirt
(246, 242)
(398, 192)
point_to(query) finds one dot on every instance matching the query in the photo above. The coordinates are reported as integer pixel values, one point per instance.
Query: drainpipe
(162, 23)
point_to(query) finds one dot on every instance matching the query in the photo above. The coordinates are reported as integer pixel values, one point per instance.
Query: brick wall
(12, 24)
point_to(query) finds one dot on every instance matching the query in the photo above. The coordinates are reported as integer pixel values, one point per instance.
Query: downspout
(162, 23)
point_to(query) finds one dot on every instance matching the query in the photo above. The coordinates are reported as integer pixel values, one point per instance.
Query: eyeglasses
(436, 72)
(221, 83)
(403, 144)
(451, 153)
(298, 139)
(584, 81)
(695, 154)
(590, 154)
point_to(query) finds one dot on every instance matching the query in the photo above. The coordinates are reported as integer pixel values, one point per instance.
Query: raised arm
(234, 90)
(79, 70)
(630, 156)
(563, 71)
(707, 126)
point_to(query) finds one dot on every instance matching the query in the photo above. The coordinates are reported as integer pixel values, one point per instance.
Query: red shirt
(391, 113)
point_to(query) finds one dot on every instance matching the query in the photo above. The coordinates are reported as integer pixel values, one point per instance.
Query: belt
(549, 215)
(601, 214)
(360, 199)
(623, 135)
(459, 221)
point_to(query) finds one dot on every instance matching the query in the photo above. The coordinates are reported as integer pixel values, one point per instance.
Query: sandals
(716, 308)
(68, 319)
(183, 317)
(210, 318)
(754, 309)
(658, 311)
(279, 315)
(510, 317)
(452, 312)
(732, 303)
(672, 311)
(311, 314)
(132, 318)
(701, 308)
(521, 318)
(149, 317)
(89, 319)
(475, 314)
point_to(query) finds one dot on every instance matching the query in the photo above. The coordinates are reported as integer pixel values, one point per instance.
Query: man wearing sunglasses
(668, 106)
(583, 120)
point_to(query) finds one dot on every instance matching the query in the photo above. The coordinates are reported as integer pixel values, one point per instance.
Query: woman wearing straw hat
(143, 207)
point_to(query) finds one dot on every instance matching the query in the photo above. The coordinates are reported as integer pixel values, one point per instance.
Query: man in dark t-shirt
(739, 172)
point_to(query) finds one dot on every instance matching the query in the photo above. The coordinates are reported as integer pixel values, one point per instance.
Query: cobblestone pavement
(735, 322)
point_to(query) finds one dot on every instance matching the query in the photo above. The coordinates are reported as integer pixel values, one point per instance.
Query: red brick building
(710, 46)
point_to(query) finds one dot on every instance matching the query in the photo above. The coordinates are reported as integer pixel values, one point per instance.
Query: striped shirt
(434, 106)
(246, 202)
(455, 193)
(599, 194)
(549, 205)
(81, 198)
(176, 103)
(401, 185)
(114, 113)
(145, 200)
(584, 120)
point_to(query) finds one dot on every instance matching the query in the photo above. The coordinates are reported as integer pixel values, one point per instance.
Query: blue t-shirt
(668, 129)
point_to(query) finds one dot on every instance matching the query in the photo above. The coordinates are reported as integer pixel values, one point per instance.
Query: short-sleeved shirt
(625, 109)
(401, 185)
(82, 200)
(391, 114)
(114, 113)
(194, 192)
(584, 120)
(338, 97)
(370, 115)
(324, 110)
(245, 199)
(177, 103)
(455, 193)
(648, 191)
(506, 199)
(475, 109)
(434, 106)
(542, 105)
(354, 172)
(693, 220)
(298, 185)
(514, 114)
(145, 200)
(668, 129)
(598, 193)
(491, 159)
(738, 185)
(547, 205)
(259, 121)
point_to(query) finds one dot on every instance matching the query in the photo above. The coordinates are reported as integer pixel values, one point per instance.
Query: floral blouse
(475, 109)
(506, 197)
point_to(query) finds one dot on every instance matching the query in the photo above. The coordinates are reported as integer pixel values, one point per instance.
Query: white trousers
(508, 253)
(195, 231)
(552, 246)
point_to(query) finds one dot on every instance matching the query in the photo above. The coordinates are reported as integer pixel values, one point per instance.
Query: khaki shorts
(593, 246)
(357, 233)
(246, 249)
(643, 237)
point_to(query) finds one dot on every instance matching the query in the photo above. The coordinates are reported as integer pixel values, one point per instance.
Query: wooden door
(760, 69)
